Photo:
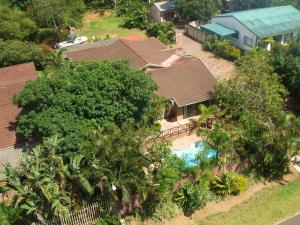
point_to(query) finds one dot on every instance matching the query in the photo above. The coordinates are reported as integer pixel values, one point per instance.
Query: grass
(108, 24)
(265, 208)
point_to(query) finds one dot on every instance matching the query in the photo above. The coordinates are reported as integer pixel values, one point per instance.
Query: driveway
(220, 68)
(292, 221)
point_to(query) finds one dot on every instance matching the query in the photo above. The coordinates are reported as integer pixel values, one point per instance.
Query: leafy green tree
(201, 10)
(286, 61)
(56, 14)
(239, 5)
(136, 15)
(15, 24)
(164, 31)
(253, 128)
(15, 52)
(255, 89)
(80, 96)
(286, 2)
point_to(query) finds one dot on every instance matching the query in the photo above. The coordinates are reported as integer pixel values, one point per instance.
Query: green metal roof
(268, 21)
(220, 30)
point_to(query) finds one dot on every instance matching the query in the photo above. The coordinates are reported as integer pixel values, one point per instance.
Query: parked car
(76, 41)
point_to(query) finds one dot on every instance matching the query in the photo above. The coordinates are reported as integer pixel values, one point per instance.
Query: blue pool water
(189, 155)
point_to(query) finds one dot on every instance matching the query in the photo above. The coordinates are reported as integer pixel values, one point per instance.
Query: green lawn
(267, 207)
(109, 23)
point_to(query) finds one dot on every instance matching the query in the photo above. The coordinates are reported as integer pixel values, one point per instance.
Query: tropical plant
(39, 183)
(191, 196)
(207, 115)
(229, 184)
(10, 216)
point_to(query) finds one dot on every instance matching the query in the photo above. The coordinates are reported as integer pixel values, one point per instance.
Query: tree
(201, 10)
(14, 52)
(15, 25)
(164, 31)
(56, 14)
(39, 183)
(253, 128)
(255, 89)
(77, 97)
(112, 166)
(239, 5)
(136, 15)
(286, 61)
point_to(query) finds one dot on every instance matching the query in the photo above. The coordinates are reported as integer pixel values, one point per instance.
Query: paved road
(293, 221)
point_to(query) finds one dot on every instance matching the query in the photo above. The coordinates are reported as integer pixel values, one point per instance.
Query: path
(292, 221)
(220, 68)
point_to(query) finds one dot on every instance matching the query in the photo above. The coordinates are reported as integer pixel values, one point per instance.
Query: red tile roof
(12, 80)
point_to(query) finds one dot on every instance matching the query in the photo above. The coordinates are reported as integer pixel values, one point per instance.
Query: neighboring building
(163, 11)
(12, 80)
(248, 29)
(184, 80)
(141, 53)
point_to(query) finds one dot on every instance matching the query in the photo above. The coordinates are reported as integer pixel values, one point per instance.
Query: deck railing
(175, 131)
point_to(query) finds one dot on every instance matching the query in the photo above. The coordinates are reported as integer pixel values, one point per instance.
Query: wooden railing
(175, 131)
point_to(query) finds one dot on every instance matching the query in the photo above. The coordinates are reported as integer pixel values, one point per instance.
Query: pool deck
(185, 142)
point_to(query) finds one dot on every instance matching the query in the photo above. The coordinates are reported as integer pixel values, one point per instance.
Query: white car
(76, 41)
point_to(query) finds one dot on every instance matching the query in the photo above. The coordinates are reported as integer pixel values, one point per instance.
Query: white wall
(233, 24)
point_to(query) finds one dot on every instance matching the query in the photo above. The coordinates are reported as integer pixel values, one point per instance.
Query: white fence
(194, 31)
(10, 155)
(86, 216)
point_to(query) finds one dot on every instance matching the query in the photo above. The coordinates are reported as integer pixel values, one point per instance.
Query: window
(248, 41)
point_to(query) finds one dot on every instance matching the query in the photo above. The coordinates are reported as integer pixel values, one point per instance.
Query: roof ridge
(123, 41)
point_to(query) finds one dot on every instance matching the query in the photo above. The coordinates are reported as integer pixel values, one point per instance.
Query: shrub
(222, 48)
(136, 16)
(191, 196)
(9, 215)
(164, 31)
(15, 52)
(229, 184)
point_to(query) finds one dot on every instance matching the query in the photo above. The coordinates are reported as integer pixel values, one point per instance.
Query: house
(248, 29)
(12, 80)
(183, 80)
(163, 11)
(187, 83)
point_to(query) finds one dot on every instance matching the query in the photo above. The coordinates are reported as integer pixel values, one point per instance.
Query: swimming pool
(189, 155)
